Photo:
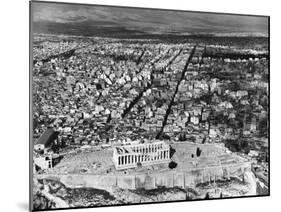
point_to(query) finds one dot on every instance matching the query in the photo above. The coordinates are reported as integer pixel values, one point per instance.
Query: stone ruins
(132, 156)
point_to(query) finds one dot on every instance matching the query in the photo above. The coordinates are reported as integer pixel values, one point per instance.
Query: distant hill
(85, 28)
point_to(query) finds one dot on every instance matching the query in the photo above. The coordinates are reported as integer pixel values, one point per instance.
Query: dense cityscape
(101, 102)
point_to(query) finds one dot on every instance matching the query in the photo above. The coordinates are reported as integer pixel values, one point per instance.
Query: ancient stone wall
(151, 180)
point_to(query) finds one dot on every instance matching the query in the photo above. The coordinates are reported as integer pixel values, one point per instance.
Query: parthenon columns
(146, 157)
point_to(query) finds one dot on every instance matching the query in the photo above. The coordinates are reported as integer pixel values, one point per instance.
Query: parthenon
(145, 154)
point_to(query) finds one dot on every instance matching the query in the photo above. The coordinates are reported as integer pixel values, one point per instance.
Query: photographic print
(137, 105)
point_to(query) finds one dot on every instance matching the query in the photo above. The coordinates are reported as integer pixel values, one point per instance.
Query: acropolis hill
(188, 165)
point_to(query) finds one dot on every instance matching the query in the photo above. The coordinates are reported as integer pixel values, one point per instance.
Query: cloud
(149, 20)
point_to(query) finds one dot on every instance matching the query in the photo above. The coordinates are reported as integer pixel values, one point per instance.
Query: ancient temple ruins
(131, 156)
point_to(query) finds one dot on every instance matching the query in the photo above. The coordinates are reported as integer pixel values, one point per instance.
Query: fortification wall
(149, 181)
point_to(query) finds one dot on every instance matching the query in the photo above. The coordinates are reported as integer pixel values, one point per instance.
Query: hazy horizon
(93, 19)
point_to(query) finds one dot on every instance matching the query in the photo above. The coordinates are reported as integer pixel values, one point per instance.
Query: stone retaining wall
(150, 180)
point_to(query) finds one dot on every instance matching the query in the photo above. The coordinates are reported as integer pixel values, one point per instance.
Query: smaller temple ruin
(132, 156)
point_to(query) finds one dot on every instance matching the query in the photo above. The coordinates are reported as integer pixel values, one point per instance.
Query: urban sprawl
(98, 93)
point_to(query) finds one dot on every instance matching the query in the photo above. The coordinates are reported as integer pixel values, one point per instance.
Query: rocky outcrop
(250, 180)
(49, 194)
(57, 195)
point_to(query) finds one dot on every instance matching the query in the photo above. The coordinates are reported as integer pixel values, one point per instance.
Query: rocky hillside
(50, 194)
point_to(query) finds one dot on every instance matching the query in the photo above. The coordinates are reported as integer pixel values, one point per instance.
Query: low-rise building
(47, 139)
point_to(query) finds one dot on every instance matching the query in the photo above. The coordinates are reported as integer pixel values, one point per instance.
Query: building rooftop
(48, 137)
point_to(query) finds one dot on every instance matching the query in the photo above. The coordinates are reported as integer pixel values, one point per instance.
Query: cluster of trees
(237, 145)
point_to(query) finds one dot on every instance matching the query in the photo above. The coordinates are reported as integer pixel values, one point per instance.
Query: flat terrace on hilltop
(154, 157)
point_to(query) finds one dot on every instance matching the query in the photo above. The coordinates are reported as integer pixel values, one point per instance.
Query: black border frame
(31, 105)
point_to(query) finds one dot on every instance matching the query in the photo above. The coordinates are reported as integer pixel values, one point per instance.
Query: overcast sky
(152, 21)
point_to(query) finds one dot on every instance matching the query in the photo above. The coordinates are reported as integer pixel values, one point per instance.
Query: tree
(139, 165)
(198, 152)
(263, 127)
(172, 165)
(182, 137)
